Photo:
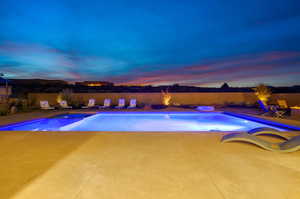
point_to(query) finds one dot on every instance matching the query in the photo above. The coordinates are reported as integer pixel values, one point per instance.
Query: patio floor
(148, 165)
(73, 165)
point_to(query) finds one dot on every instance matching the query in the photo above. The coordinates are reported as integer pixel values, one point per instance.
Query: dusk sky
(190, 42)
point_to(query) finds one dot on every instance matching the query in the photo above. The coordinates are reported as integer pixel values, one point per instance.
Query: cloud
(38, 61)
(266, 65)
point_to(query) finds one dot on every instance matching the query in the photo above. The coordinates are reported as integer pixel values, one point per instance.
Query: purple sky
(201, 43)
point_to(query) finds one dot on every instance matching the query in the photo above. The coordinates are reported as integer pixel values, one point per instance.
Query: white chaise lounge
(45, 105)
(106, 104)
(121, 103)
(91, 104)
(64, 104)
(132, 103)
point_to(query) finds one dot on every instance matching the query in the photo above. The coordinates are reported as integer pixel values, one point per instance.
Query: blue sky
(201, 43)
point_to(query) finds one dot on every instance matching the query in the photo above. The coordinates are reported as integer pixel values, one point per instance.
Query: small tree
(66, 94)
(262, 92)
(166, 97)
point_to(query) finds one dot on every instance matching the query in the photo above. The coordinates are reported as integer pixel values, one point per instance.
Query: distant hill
(37, 82)
(21, 87)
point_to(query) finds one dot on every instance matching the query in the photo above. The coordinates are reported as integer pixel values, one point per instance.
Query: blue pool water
(46, 124)
(140, 122)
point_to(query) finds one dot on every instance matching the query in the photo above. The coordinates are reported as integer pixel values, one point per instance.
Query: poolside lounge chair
(283, 106)
(270, 110)
(45, 105)
(121, 103)
(91, 104)
(263, 106)
(106, 103)
(290, 145)
(277, 112)
(132, 103)
(64, 104)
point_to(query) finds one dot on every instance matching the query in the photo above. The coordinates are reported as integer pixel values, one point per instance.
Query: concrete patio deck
(84, 165)
(55, 165)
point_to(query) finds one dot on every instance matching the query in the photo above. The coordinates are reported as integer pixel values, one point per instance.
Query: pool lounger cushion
(290, 145)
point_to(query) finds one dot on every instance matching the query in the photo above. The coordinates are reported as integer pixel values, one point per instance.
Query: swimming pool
(141, 122)
(45, 124)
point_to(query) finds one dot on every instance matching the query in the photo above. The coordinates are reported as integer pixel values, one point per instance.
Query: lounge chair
(64, 104)
(283, 106)
(132, 103)
(277, 112)
(273, 132)
(91, 104)
(45, 105)
(106, 104)
(290, 145)
(270, 110)
(263, 106)
(121, 104)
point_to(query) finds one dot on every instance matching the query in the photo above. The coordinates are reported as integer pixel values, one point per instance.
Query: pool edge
(267, 121)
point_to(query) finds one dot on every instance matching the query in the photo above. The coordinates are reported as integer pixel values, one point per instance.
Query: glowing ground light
(295, 107)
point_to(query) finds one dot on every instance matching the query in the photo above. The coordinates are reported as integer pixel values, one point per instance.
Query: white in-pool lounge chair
(45, 105)
(91, 104)
(64, 104)
(286, 135)
(121, 103)
(106, 104)
(132, 103)
(290, 145)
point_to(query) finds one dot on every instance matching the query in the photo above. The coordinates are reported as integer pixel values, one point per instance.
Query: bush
(32, 102)
(22, 105)
(66, 94)
(166, 97)
(158, 106)
(263, 92)
(4, 109)
(76, 102)
(25, 105)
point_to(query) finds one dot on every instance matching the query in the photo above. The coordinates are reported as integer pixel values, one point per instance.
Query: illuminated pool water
(117, 121)
(45, 124)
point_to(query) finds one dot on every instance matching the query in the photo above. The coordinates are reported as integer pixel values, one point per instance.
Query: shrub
(76, 102)
(21, 105)
(263, 92)
(158, 106)
(66, 94)
(25, 105)
(32, 102)
(166, 97)
(4, 109)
